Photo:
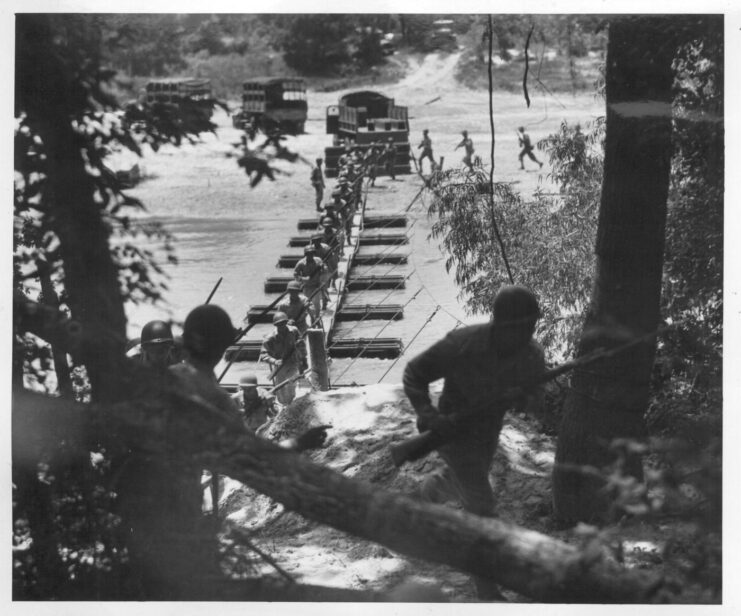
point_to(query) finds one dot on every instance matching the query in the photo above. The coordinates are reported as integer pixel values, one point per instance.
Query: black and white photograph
(362, 307)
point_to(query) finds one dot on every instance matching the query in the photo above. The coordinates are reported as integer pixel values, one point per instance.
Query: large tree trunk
(193, 434)
(608, 401)
(91, 277)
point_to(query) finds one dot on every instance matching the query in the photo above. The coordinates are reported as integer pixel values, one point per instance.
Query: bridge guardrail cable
(419, 331)
(347, 333)
(374, 338)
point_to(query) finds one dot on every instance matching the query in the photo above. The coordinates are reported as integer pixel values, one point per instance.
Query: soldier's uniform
(426, 147)
(257, 413)
(476, 378)
(467, 144)
(309, 273)
(317, 181)
(527, 148)
(284, 345)
(299, 309)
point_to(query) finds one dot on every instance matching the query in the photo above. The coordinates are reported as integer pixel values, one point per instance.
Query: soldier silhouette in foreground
(484, 367)
(172, 546)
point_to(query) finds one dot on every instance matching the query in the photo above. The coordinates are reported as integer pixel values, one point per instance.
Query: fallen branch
(528, 562)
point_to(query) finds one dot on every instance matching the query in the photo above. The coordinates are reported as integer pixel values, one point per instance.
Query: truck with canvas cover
(273, 102)
(365, 118)
(177, 91)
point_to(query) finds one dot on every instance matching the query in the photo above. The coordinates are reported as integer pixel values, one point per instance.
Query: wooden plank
(357, 283)
(244, 350)
(379, 239)
(386, 222)
(380, 348)
(289, 260)
(356, 312)
(379, 259)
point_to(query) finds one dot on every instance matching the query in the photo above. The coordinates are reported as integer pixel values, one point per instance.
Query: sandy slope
(365, 421)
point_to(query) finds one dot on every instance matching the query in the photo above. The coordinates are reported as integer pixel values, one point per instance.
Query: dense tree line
(316, 44)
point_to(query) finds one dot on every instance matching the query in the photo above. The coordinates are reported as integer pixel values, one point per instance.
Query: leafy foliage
(75, 224)
(549, 242)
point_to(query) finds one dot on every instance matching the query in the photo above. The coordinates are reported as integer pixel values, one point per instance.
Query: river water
(223, 228)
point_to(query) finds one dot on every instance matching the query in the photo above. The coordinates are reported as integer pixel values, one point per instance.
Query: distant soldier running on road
(426, 147)
(317, 181)
(527, 148)
(487, 369)
(467, 144)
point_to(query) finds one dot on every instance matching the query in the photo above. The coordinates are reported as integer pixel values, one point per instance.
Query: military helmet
(248, 380)
(319, 161)
(521, 129)
(390, 139)
(280, 317)
(310, 249)
(155, 332)
(294, 285)
(208, 330)
(327, 222)
(464, 133)
(425, 131)
(515, 304)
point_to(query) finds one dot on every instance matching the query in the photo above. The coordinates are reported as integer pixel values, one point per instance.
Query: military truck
(273, 102)
(364, 118)
(175, 91)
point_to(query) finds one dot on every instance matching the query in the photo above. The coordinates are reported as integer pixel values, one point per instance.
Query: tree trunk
(528, 562)
(91, 277)
(608, 401)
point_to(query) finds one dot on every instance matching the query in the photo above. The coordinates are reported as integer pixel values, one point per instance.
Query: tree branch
(528, 562)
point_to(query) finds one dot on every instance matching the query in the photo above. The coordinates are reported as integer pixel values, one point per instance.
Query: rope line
(374, 338)
(347, 333)
(419, 331)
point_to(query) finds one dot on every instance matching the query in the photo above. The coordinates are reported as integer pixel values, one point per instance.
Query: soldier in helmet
(467, 144)
(160, 499)
(317, 181)
(486, 370)
(258, 408)
(157, 344)
(298, 308)
(309, 272)
(282, 350)
(330, 211)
